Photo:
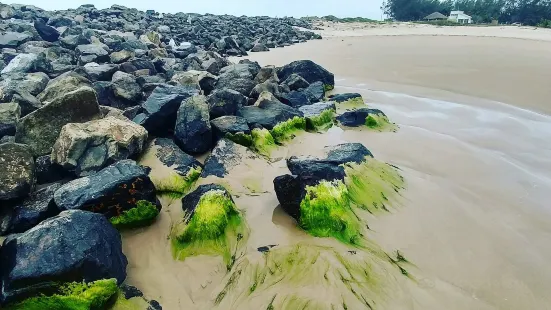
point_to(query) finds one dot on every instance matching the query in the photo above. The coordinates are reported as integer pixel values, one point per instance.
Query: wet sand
(474, 220)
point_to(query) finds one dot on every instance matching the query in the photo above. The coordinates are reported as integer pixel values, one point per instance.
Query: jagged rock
(315, 92)
(48, 172)
(230, 126)
(102, 72)
(126, 88)
(110, 191)
(308, 70)
(338, 98)
(121, 56)
(295, 99)
(91, 53)
(138, 64)
(159, 116)
(225, 102)
(61, 85)
(296, 82)
(9, 117)
(357, 117)
(225, 155)
(265, 74)
(41, 128)
(73, 246)
(267, 86)
(259, 47)
(88, 147)
(32, 210)
(28, 63)
(191, 200)
(13, 39)
(18, 171)
(200, 79)
(170, 155)
(267, 112)
(46, 32)
(193, 132)
(237, 77)
(32, 83)
(317, 108)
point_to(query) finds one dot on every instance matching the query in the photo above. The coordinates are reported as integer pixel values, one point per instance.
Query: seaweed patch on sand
(175, 184)
(263, 142)
(294, 277)
(286, 130)
(372, 184)
(144, 214)
(321, 122)
(214, 227)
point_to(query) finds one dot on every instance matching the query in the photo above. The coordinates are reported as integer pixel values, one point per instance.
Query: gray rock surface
(17, 179)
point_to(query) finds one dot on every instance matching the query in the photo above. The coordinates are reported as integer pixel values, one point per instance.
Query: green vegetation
(176, 184)
(73, 296)
(350, 104)
(240, 138)
(380, 122)
(284, 278)
(332, 18)
(321, 122)
(144, 214)
(545, 23)
(286, 130)
(326, 212)
(328, 87)
(263, 142)
(372, 184)
(213, 229)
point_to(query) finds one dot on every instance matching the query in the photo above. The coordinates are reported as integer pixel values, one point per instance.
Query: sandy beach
(473, 146)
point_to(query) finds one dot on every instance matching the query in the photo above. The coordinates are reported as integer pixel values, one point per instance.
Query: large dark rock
(225, 102)
(32, 210)
(309, 171)
(357, 117)
(268, 112)
(41, 128)
(295, 99)
(315, 92)
(48, 172)
(238, 77)
(225, 155)
(13, 39)
(168, 153)
(193, 132)
(229, 125)
(73, 246)
(338, 98)
(296, 82)
(17, 177)
(91, 53)
(110, 191)
(46, 32)
(308, 70)
(160, 109)
(102, 72)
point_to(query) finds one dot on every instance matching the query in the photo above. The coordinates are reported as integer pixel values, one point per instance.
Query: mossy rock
(263, 142)
(286, 130)
(144, 214)
(212, 225)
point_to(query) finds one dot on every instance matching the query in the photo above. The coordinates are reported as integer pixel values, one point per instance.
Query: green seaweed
(240, 138)
(328, 87)
(372, 183)
(286, 130)
(326, 212)
(176, 184)
(321, 122)
(350, 104)
(72, 296)
(289, 271)
(263, 142)
(144, 214)
(215, 228)
(379, 122)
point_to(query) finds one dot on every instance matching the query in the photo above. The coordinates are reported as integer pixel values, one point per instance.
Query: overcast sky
(297, 8)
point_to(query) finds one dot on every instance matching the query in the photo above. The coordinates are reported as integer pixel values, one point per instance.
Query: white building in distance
(460, 17)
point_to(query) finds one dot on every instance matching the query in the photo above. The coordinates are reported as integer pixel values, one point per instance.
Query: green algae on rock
(215, 227)
(144, 214)
(326, 212)
(73, 296)
(240, 138)
(286, 130)
(294, 277)
(372, 184)
(175, 184)
(321, 122)
(379, 122)
(263, 142)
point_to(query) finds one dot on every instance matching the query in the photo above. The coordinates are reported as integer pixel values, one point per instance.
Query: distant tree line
(529, 12)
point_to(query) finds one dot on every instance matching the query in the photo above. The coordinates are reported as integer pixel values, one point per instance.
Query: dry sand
(474, 220)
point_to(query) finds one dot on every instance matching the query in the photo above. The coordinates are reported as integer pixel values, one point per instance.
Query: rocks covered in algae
(212, 225)
(144, 214)
(347, 101)
(323, 193)
(372, 118)
(286, 130)
(263, 142)
(306, 276)
(319, 116)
